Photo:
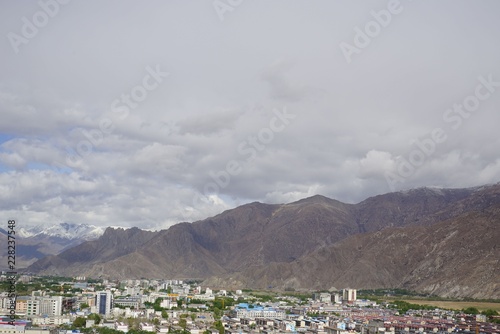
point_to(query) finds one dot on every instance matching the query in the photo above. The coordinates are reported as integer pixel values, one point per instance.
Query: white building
(204, 297)
(147, 327)
(120, 326)
(166, 303)
(52, 320)
(349, 295)
(45, 306)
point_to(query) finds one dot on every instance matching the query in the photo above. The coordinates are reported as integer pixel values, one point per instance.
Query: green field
(455, 305)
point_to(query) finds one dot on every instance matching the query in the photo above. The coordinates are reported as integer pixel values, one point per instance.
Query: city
(58, 305)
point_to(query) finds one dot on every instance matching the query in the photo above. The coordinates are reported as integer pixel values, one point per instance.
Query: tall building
(44, 306)
(51, 306)
(104, 302)
(349, 295)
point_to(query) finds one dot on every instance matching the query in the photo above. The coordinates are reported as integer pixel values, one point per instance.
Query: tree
(489, 312)
(84, 305)
(130, 323)
(164, 314)
(220, 327)
(79, 322)
(471, 310)
(95, 317)
(217, 313)
(183, 323)
(193, 316)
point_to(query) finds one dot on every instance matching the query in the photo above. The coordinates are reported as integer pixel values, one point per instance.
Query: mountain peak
(320, 199)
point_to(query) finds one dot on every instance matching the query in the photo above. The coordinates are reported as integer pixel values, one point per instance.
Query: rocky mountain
(453, 258)
(36, 242)
(442, 241)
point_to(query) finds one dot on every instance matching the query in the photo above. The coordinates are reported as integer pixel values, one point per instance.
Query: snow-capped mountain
(36, 242)
(68, 231)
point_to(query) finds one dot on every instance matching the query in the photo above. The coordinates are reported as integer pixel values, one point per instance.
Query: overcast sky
(148, 113)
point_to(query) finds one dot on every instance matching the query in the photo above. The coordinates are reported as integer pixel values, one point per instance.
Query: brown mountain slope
(455, 258)
(113, 244)
(225, 243)
(412, 207)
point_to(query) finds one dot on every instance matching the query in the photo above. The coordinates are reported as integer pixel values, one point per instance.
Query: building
(104, 302)
(44, 306)
(166, 303)
(144, 326)
(120, 326)
(18, 328)
(132, 302)
(51, 306)
(21, 304)
(322, 297)
(336, 298)
(244, 310)
(349, 295)
(51, 321)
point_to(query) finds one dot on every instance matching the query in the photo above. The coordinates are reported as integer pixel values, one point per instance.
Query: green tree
(130, 323)
(471, 310)
(217, 313)
(79, 322)
(95, 317)
(219, 326)
(164, 314)
(489, 312)
(183, 323)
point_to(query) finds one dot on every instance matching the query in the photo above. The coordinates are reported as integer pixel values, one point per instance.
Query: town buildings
(163, 306)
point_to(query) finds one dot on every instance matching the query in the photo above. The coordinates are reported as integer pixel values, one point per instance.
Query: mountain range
(439, 241)
(36, 242)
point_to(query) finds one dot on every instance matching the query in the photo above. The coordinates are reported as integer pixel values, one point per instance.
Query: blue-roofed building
(244, 310)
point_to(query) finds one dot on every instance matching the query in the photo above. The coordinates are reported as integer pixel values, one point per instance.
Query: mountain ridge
(266, 241)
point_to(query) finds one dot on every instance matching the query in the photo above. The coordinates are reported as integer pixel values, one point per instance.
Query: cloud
(210, 123)
(281, 86)
(153, 164)
(376, 164)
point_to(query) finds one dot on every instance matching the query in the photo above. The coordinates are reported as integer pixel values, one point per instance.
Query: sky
(149, 113)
